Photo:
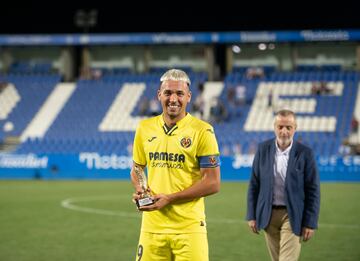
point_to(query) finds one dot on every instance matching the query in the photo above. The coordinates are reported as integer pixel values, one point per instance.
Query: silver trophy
(145, 198)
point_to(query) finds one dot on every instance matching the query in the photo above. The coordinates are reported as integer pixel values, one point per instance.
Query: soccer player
(181, 155)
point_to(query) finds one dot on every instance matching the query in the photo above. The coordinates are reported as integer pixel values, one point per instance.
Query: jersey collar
(179, 124)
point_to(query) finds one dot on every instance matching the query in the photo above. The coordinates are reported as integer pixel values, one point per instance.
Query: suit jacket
(302, 187)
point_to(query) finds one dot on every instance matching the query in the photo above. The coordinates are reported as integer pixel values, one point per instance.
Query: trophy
(145, 198)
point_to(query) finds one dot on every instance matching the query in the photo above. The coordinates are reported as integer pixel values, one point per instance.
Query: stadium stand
(69, 104)
(330, 119)
(33, 67)
(25, 94)
(101, 115)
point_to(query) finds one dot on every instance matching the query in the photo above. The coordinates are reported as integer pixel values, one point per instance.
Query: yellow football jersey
(173, 158)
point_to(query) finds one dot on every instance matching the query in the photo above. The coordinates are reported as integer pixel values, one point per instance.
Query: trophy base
(144, 202)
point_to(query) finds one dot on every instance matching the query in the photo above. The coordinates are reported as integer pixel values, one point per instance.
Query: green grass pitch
(96, 220)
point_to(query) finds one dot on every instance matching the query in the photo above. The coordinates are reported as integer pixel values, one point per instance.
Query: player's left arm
(209, 184)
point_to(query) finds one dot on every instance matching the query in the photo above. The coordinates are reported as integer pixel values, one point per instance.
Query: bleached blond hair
(175, 75)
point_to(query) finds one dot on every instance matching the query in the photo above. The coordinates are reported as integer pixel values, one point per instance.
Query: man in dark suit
(284, 191)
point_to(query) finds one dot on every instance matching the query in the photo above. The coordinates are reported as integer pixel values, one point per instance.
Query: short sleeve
(208, 150)
(138, 148)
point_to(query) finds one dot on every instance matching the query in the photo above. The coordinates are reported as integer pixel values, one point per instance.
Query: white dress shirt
(280, 168)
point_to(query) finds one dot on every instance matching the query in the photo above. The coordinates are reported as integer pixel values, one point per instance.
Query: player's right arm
(134, 179)
(135, 182)
(138, 159)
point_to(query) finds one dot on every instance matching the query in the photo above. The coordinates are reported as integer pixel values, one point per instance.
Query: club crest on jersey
(212, 160)
(185, 142)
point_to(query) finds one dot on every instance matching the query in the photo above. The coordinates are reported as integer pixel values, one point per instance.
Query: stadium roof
(30, 18)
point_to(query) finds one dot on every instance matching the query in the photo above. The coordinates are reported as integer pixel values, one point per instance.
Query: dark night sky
(59, 18)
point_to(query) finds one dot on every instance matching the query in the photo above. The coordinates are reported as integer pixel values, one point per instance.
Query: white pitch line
(69, 204)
